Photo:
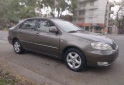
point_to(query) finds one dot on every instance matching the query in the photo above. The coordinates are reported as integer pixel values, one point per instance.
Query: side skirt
(39, 52)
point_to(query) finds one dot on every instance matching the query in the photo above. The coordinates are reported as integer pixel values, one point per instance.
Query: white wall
(98, 13)
(102, 10)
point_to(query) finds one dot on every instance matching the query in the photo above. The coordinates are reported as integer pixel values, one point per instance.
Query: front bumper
(101, 58)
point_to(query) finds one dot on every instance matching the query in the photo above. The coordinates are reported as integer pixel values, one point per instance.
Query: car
(62, 39)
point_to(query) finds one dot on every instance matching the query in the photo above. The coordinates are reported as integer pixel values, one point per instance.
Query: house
(94, 15)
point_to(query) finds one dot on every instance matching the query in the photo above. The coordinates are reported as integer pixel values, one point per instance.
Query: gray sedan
(63, 40)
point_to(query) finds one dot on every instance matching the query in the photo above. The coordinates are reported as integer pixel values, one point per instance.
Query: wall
(99, 10)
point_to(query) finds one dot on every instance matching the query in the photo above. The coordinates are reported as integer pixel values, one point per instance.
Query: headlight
(101, 46)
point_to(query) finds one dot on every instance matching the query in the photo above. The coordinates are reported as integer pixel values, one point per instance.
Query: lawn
(4, 81)
(6, 78)
(10, 77)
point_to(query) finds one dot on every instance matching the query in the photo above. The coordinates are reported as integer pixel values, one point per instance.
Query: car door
(46, 41)
(27, 33)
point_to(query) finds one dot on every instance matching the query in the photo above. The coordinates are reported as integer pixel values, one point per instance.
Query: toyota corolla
(63, 40)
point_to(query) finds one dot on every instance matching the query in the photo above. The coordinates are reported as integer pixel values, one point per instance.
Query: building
(109, 22)
(93, 15)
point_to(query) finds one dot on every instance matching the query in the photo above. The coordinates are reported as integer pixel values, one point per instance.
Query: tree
(72, 7)
(11, 11)
(28, 9)
(60, 6)
(120, 17)
(50, 4)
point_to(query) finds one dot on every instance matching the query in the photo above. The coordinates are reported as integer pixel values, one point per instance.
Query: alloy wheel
(73, 60)
(17, 47)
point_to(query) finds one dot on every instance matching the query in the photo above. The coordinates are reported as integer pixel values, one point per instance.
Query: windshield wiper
(75, 31)
(72, 31)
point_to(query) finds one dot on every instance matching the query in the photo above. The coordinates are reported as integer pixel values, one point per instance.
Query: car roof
(42, 18)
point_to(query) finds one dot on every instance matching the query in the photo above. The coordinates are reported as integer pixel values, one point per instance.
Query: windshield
(67, 26)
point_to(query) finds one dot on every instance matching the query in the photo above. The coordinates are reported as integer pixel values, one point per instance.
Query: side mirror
(53, 29)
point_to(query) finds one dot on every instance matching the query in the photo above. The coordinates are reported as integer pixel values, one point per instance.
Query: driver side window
(44, 25)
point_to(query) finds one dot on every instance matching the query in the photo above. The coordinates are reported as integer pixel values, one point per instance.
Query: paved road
(43, 69)
(3, 34)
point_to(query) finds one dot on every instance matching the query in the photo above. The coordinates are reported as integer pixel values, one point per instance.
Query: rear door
(27, 33)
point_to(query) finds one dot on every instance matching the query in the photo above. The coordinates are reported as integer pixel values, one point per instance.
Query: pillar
(93, 29)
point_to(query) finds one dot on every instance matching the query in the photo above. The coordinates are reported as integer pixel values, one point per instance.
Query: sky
(115, 8)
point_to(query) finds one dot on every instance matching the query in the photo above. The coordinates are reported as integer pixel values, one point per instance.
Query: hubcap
(17, 47)
(73, 60)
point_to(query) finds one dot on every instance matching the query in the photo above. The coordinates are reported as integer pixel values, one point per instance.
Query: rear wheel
(18, 47)
(75, 60)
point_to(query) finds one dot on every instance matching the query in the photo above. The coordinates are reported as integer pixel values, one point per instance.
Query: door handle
(20, 31)
(37, 34)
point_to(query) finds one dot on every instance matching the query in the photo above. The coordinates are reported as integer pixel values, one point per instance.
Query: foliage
(11, 11)
(72, 7)
(120, 17)
(9, 76)
(60, 6)
(5, 29)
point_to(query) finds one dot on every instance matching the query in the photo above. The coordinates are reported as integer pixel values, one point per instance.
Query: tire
(18, 47)
(75, 60)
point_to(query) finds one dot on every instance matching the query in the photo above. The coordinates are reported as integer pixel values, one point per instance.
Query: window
(82, 5)
(92, 3)
(81, 20)
(81, 12)
(28, 25)
(91, 12)
(90, 20)
(44, 25)
(66, 26)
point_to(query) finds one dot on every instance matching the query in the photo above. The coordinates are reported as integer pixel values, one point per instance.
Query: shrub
(5, 29)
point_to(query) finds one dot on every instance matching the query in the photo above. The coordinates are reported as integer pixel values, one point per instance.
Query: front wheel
(75, 60)
(18, 47)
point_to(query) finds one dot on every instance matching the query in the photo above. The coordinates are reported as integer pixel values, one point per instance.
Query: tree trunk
(119, 28)
(53, 13)
(58, 14)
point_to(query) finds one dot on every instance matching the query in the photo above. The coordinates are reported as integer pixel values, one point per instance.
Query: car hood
(93, 37)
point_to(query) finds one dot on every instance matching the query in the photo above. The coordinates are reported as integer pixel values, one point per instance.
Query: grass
(5, 29)
(9, 77)
(4, 81)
